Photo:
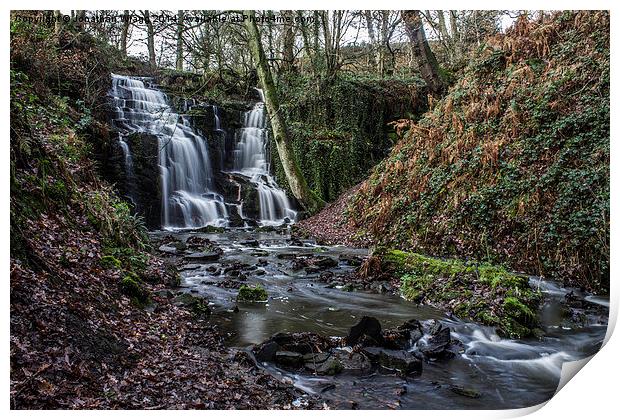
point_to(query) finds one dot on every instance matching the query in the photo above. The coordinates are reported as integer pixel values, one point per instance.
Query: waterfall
(250, 160)
(128, 164)
(188, 199)
(216, 116)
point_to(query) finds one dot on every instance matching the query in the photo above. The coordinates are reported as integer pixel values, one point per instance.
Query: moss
(197, 305)
(132, 287)
(481, 292)
(512, 165)
(109, 261)
(252, 294)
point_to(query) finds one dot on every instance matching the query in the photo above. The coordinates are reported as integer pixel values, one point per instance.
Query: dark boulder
(404, 336)
(401, 360)
(303, 342)
(289, 358)
(367, 331)
(438, 344)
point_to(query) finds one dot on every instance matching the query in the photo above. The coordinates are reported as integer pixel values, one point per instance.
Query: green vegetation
(512, 166)
(478, 291)
(132, 286)
(340, 126)
(252, 294)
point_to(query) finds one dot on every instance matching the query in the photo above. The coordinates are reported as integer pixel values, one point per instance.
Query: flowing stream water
(506, 373)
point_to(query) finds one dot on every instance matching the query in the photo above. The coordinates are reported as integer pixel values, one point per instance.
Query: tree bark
(57, 22)
(295, 179)
(308, 48)
(429, 68)
(456, 37)
(370, 26)
(125, 32)
(180, 28)
(150, 38)
(288, 41)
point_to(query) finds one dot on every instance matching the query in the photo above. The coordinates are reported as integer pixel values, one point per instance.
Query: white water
(251, 161)
(188, 199)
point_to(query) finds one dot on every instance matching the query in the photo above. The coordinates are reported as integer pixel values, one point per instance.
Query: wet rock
(211, 229)
(335, 362)
(380, 287)
(259, 253)
(188, 267)
(164, 293)
(203, 256)
(312, 269)
(296, 242)
(325, 262)
(316, 358)
(199, 306)
(260, 272)
(350, 260)
(353, 361)
(249, 243)
(251, 223)
(198, 242)
(438, 344)
(331, 366)
(404, 336)
(303, 342)
(266, 352)
(168, 249)
(366, 331)
(252, 294)
(401, 360)
(289, 359)
(466, 392)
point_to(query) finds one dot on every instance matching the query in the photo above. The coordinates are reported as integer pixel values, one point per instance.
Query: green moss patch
(132, 286)
(482, 292)
(252, 294)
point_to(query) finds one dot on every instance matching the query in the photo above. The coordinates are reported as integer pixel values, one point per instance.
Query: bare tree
(429, 68)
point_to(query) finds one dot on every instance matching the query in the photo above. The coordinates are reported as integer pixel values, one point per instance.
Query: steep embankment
(91, 326)
(512, 166)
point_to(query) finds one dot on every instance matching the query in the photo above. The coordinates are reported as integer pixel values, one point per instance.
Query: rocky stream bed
(347, 342)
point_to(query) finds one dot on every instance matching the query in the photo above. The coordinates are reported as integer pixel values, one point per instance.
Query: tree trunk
(308, 46)
(179, 62)
(150, 38)
(422, 51)
(456, 37)
(373, 39)
(57, 22)
(288, 41)
(125, 32)
(295, 179)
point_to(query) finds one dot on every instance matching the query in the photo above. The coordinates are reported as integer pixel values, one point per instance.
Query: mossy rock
(252, 294)
(132, 286)
(482, 292)
(197, 305)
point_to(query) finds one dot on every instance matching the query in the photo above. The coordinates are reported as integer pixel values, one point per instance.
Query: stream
(502, 373)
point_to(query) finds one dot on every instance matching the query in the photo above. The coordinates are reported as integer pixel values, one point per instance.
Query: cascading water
(128, 168)
(251, 161)
(188, 199)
